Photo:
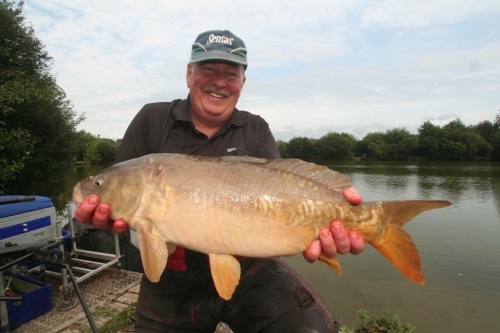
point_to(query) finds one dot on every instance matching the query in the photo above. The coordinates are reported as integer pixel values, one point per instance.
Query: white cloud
(425, 13)
(344, 66)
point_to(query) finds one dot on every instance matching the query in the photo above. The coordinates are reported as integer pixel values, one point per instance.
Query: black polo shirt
(146, 133)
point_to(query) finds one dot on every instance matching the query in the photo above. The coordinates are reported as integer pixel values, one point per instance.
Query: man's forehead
(218, 62)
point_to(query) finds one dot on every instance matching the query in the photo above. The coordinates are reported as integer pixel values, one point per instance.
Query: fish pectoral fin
(154, 250)
(226, 272)
(331, 262)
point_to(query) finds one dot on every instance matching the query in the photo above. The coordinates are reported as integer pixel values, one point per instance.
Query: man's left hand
(337, 240)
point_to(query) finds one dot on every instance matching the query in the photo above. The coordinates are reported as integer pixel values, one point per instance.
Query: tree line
(454, 141)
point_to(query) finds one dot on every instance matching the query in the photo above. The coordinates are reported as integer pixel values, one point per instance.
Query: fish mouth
(77, 195)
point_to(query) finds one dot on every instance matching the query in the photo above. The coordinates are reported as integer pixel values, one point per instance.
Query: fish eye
(98, 182)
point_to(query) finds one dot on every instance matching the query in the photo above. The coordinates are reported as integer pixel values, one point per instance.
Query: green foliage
(300, 147)
(335, 146)
(452, 142)
(15, 148)
(124, 318)
(83, 140)
(429, 141)
(374, 146)
(394, 145)
(283, 148)
(401, 145)
(37, 122)
(385, 323)
(100, 151)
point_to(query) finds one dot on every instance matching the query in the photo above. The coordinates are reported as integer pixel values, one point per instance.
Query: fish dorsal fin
(312, 172)
(226, 273)
(309, 171)
(154, 250)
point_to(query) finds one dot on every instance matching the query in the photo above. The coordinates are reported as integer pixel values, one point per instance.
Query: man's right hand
(90, 212)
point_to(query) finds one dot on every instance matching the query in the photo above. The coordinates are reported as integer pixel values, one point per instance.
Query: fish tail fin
(401, 212)
(396, 244)
(331, 262)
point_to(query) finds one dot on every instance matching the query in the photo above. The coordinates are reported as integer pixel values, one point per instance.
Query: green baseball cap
(219, 45)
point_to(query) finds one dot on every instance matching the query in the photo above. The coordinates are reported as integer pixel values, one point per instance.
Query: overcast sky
(314, 66)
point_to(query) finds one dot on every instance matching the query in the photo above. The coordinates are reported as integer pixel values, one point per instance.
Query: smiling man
(270, 297)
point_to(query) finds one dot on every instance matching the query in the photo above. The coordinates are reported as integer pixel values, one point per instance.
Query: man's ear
(189, 70)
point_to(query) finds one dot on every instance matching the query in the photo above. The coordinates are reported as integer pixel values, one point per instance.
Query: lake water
(459, 247)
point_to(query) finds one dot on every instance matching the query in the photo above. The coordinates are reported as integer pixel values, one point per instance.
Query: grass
(384, 323)
(124, 318)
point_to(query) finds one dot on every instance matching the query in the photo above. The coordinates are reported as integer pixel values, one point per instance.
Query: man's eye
(210, 71)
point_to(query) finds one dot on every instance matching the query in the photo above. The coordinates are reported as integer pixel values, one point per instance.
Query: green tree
(485, 129)
(37, 122)
(84, 139)
(335, 147)
(283, 148)
(429, 141)
(300, 147)
(400, 144)
(461, 142)
(374, 146)
(100, 151)
(495, 140)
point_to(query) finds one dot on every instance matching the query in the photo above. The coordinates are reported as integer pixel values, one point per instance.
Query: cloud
(344, 66)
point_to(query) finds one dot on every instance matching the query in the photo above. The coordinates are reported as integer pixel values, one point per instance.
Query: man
(270, 296)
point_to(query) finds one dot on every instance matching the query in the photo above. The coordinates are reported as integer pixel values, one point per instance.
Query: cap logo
(219, 39)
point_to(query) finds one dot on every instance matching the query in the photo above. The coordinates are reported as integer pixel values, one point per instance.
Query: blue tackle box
(26, 220)
(36, 299)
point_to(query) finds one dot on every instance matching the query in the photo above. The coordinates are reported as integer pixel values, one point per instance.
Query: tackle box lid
(11, 205)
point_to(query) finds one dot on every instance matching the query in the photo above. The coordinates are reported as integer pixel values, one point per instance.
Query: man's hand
(90, 212)
(337, 240)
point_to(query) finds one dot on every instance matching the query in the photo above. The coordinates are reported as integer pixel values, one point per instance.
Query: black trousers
(270, 298)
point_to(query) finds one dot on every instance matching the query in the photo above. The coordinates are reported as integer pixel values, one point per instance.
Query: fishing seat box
(37, 299)
(26, 222)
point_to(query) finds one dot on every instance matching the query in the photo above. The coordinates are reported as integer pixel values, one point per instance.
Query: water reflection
(458, 245)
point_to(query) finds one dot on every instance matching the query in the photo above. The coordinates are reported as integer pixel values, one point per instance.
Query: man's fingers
(119, 227)
(100, 219)
(352, 195)
(340, 237)
(85, 211)
(328, 244)
(357, 243)
(311, 254)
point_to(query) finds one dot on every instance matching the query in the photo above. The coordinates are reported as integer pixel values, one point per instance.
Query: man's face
(214, 90)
